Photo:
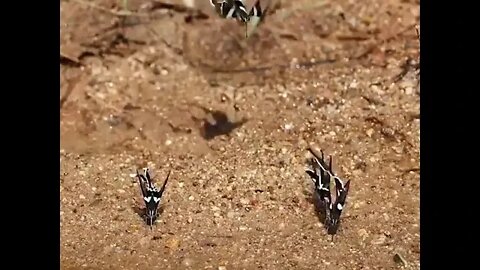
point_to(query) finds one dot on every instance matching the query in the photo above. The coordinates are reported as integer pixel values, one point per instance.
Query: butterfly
(321, 178)
(235, 9)
(337, 206)
(151, 195)
(321, 175)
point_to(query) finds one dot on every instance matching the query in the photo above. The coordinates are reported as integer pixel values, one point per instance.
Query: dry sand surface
(161, 87)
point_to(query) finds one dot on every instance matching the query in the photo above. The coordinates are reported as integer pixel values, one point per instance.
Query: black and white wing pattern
(337, 206)
(256, 17)
(151, 195)
(236, 9)
(231, 9)
(321, 175)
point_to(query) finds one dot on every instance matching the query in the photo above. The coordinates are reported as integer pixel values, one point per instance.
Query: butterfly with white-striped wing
(151, 195)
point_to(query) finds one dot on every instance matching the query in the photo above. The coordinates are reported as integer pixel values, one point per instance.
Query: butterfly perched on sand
(337, 206)
(321, 179)
(151, 195)
(236, 9)
(321, 175)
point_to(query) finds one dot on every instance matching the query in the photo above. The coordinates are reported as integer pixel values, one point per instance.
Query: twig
(69, 61)
(122, 13)
(175, 7)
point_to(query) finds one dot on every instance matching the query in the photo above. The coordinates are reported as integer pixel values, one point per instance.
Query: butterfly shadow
(140, 211)
(319, 207)
(221, 125)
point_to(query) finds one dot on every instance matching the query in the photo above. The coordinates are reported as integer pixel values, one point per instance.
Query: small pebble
(82, 197)
(409, 90)
(243, 228)
(363, 234)
(121, 191)
(187, 262)
(222, 268)
(244, 201)
(191, 198)
(353, 84)
(288, 127)
(172, 243)
(380, 240)
(190, 220)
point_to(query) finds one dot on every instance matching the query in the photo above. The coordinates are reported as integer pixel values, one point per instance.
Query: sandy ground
(139, 90)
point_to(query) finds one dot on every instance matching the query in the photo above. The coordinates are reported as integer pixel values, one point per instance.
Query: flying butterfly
(151, 195)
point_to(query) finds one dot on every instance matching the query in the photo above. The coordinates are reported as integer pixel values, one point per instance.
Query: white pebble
(244, 201)
(288, 126)
(409, 90)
